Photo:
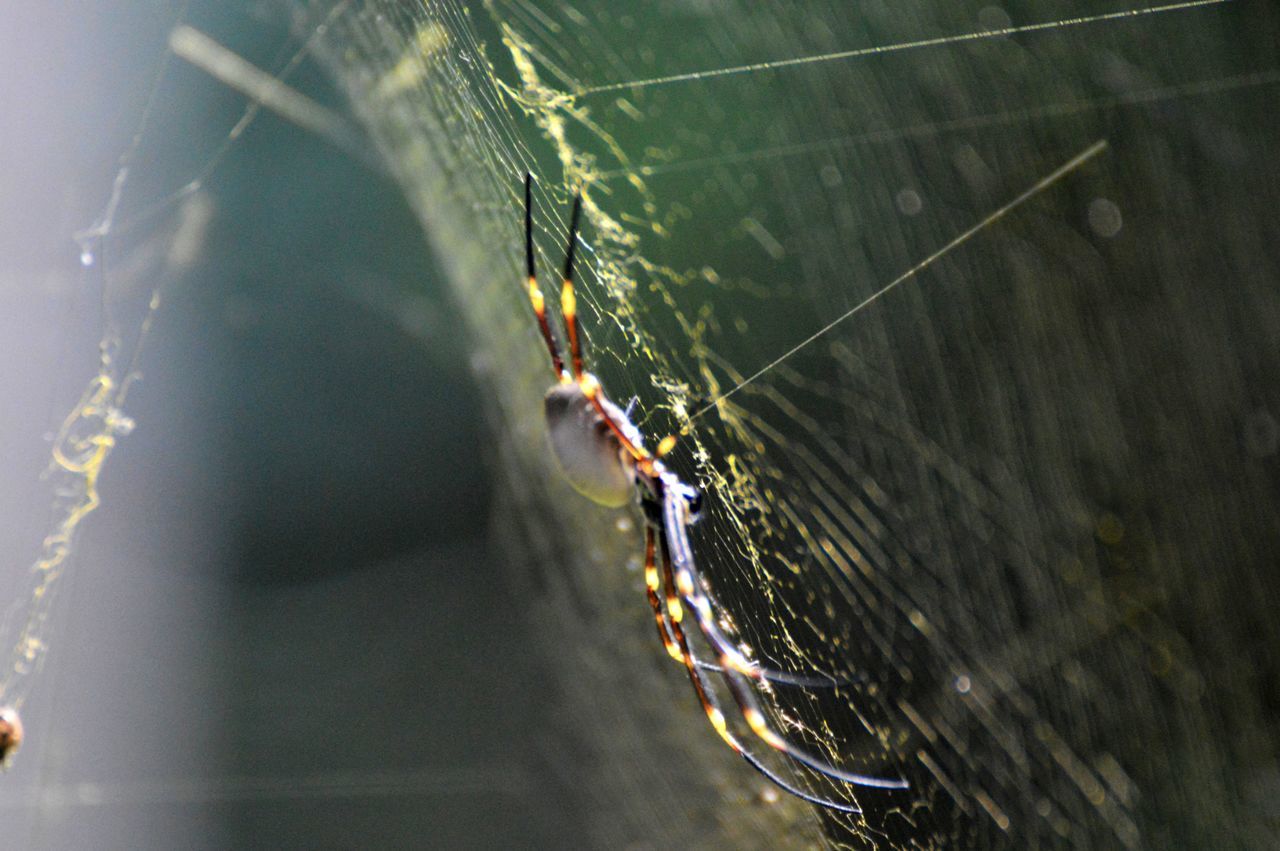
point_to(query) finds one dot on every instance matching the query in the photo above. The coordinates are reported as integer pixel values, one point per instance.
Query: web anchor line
(861, 52)
(993, 217)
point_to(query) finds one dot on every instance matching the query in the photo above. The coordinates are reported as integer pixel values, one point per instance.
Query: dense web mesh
(987, 502)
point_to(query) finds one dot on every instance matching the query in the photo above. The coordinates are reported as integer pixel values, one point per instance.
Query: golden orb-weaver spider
(603, 455)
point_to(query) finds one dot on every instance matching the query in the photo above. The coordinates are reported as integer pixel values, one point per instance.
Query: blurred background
(335, 595)
(283, 625)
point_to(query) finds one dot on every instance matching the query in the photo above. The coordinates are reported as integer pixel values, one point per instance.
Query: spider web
(1009, 503)
(944, 500)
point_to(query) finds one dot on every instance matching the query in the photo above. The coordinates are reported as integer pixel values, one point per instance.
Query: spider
(602, 454)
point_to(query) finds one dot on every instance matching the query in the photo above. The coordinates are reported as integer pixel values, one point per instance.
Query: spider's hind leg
(706, 697)
(568, 299)
(683, 585)
(536, 297)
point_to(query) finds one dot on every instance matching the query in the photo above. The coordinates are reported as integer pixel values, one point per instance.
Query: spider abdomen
(589, 453)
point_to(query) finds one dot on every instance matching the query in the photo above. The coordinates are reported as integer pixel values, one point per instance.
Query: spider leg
(535, 293)
(589, 383)
(652, 586)
(712, 708)
(569, 301)
(737, 667)
(783, 678)
(736, 661)
(754, 670)
(569, 309)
